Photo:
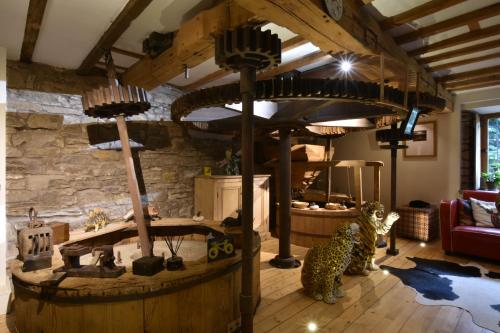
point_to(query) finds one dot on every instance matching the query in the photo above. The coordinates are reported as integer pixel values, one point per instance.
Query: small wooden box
(147, 266)
(60, 231)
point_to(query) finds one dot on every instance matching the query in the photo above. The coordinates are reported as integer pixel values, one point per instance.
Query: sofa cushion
(465, 213)
(494, 232)
(483, 212)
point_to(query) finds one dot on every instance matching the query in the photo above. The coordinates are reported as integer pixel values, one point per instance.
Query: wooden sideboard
(217, 197)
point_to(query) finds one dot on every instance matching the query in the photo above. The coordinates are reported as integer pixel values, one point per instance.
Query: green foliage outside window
(494, 148)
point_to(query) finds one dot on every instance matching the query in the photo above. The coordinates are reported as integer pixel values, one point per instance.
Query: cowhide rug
(470, 287)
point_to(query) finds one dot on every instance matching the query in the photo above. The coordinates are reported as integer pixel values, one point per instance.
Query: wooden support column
(146, 247)
(376, 183)
(285, 259)
(329, 170)
(247, 90)
(358, 186)
(392, 250)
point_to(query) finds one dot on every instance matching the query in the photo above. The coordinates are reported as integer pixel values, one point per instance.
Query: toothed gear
(247, 46)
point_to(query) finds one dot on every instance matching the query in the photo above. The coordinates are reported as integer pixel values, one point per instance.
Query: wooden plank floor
(377, 303)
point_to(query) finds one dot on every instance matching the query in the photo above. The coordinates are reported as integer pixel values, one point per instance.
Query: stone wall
(64, 163)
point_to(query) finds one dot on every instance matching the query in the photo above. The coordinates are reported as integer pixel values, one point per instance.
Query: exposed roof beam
(192, 45)
(452, 23)
(292, 65)
(132, 9)
(460, 52)
(221, 73)
(427, 8)
(127, 53)
(36, 9)
(464, 62)
(478, 85)
(474, 25)
(457, 40)
(485, 79)
(470, 74)
(102, 64)
(356, 32)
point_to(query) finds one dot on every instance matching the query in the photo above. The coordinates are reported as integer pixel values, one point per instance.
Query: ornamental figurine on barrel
(120, 101)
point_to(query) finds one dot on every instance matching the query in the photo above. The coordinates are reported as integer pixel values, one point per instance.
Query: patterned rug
(470, 287)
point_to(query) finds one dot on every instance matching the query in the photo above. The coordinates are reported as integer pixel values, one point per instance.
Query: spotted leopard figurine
(325, 263)
(371, 222)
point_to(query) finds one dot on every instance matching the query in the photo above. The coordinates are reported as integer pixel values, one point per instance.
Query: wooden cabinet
(217, 197)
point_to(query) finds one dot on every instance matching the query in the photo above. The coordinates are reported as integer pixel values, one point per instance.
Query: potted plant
(491, 179)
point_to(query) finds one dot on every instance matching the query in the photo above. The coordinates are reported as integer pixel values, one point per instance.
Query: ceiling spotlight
(386, 272)
(345, 66)
(422, 244)
(312, 327)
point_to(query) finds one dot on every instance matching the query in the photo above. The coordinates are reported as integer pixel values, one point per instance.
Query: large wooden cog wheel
(288, 89)
(247, 46)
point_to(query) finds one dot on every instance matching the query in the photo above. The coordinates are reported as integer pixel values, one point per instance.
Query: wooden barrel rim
(52, 293)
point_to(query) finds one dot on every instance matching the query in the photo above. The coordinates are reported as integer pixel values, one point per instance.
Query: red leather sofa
(471, 240)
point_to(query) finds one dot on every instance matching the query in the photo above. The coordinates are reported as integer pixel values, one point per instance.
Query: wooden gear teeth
(247, 46)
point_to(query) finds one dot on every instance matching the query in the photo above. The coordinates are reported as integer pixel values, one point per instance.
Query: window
(493, 144)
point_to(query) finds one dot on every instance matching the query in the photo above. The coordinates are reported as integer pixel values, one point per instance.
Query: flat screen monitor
(408, 125)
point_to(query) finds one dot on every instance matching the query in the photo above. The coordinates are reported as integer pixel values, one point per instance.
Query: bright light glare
(386, 272)
(312, 327)
(422, 244)
(346, 66)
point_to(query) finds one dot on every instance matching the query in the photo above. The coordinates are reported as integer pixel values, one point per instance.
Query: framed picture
(424, 142)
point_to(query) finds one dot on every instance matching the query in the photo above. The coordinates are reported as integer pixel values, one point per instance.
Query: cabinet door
(228, 199)
(261, 204)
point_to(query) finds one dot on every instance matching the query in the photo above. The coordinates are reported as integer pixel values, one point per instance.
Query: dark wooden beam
(464, 62)
(427, 8)
(102, 64)
(36, 9)
(470, 74)
(471, 82)
(457, 40)
(474, 25)
(221, 73)
(460, 52)
(130, 12)
(452, 23)
(127, 53)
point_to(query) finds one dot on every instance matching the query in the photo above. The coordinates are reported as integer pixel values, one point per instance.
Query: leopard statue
(371, 222)
(324, 265)
(97, 220)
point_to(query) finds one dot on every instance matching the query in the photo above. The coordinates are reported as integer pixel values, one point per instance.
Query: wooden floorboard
(374, 303)
(377, 303)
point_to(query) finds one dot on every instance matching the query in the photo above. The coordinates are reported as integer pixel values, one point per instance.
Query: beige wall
(429, 179)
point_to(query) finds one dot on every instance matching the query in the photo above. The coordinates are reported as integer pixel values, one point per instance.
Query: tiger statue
(371, 222)
(324, 265)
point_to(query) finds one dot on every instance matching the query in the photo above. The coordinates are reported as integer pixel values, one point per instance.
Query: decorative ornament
(335, 9)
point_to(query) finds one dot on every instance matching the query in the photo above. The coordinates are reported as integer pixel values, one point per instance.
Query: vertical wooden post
(407, 87)
(285, 259)
(376, 183)
(358, 186)
(392, 250)
(382, 78)
(247, 90)
(329, 170)
(146, 248)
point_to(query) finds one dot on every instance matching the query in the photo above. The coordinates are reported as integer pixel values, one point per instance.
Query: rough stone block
(43, 121)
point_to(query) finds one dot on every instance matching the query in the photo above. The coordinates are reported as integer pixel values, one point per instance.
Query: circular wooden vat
(204, 297)
(309, 227)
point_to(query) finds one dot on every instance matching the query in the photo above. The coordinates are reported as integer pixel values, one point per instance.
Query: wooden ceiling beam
(34, 19)
(485, 79)
(470, 74)
(477, 85)
(356, 31)
(452, 23)
(413, 14)
(457, 40)
(464, 62)
(293, 65)
(221, 73)
(130, 12)
(460, 52)
(193, 44)
(127, 53)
